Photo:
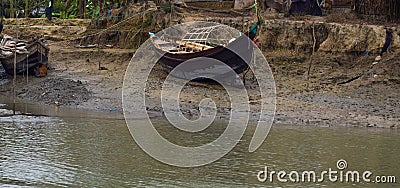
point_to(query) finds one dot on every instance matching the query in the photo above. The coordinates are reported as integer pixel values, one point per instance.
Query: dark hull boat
(236, 54)
(33, 57)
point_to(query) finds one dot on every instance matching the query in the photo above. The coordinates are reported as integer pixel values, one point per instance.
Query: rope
(129, 17)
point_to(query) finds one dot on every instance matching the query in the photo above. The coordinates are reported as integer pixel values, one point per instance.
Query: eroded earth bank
(346, 85)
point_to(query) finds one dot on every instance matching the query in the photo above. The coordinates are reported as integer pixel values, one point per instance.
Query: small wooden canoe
(236, 53)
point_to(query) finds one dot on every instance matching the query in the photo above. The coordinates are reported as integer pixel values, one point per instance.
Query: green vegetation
(62, 8)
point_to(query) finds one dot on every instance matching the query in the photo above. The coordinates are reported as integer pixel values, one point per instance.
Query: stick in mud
(15, 77)
(312, 56)
(15, 65)
(27, 68)
(98, 52)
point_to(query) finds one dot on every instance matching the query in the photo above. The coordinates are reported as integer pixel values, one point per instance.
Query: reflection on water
(50, 151)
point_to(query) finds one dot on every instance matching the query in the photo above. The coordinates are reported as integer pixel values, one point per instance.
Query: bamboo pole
(15, 64)
(16, 26)
(11, 8)
(41, 54)
(27, 68)
(243, 23)
(15, 77)
(26, 8)
(98, 52)
(170, 14)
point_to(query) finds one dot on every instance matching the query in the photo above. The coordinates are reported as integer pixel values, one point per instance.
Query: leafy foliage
(62, 8)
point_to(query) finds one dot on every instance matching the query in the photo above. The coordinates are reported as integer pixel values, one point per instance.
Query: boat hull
(36, 58)
(236, 55)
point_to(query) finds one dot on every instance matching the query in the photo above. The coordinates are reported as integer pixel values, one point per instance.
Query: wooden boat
(30, 56)
(236, 53)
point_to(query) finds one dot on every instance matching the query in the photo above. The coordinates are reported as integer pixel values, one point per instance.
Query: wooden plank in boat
(194, 45)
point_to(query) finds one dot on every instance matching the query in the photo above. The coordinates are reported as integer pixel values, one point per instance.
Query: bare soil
(343, 88)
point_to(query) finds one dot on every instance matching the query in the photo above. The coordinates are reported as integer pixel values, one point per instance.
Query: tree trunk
(102, 5)
(11, 8)
(82, 9)
(95, 5)
(2, 9)
(26, 8)
(37, 6)
(67, 5)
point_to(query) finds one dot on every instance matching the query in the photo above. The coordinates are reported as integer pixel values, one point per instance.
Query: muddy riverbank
(373, 100)
(344, 88)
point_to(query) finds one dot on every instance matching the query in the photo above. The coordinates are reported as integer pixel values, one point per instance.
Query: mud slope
(344, 87)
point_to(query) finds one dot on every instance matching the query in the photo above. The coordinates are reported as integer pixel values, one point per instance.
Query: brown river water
(75, 148)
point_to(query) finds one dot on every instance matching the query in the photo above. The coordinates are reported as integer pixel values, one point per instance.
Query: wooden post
(26, 8)
(170, 14)
(312, 55)
(41, 53)
(27, 68)
(16, 25)
(15, 64)
(243, 23)
(15, 76)
(98, 52)
(11, 8)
